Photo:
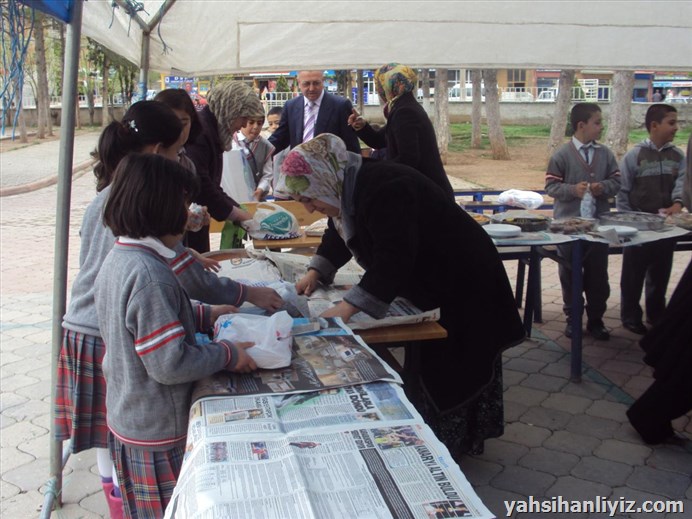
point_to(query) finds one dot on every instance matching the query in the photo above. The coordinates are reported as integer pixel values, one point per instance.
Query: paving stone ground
(563, 440)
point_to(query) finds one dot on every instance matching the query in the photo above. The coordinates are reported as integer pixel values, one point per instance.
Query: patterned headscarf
(393, 80)
(229, 101)
(315, 169)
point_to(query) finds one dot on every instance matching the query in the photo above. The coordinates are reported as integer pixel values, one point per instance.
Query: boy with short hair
(578, 167)
(257, 153)
(653, 176)
(273, 119)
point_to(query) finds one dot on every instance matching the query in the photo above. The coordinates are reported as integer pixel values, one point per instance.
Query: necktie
(586, 149)
(309, 128)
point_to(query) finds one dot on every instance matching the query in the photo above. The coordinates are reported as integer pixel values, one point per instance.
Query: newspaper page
(355, 452)
(318, 362)
(292, 267)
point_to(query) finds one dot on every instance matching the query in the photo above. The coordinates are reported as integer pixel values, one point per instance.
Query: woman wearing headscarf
(408, 136)
(413, 241)
(228, 107)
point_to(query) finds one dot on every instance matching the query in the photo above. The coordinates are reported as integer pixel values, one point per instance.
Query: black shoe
(568, 331)
(637, 328)
(599, 332)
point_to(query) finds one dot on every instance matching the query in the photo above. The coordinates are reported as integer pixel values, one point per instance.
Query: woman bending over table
(413, 241)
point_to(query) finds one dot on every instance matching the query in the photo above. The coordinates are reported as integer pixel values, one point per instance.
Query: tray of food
(683, 220)
(526, 221)
(575, 225)
(641, 221)
(480, 219)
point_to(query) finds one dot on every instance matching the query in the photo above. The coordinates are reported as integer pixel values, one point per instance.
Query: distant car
(677, 100)
(547, 96)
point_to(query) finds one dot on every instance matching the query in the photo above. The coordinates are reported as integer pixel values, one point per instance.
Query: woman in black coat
(414, 241)
(408, 136)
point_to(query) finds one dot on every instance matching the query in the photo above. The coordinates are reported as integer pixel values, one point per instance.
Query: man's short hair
(656, 113)
(149, 196)
(581, 113)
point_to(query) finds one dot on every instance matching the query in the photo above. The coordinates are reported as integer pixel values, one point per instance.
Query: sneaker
(637, 328)
(598, 331)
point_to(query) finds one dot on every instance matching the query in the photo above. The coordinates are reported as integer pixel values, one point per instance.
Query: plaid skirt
(147, 478)
(80, 404)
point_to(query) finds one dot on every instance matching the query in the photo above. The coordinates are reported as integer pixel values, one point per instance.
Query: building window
(516, 78)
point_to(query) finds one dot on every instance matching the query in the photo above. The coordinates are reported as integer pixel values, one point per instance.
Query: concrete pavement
(561, 438)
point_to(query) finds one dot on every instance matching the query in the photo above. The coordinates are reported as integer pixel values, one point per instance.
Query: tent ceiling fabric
(213, 37)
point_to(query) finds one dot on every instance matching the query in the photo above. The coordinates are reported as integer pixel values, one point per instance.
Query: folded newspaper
(360, 451)
(263, 268)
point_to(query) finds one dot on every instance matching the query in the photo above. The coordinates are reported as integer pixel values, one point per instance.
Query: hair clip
(132, 125)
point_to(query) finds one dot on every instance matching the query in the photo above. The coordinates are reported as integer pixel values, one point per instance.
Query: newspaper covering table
(265, 268)
(359, 451)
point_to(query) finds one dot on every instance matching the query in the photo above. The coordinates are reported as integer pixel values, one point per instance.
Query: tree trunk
(476, 104)
(442, 112)
(105, 113)
(496, 135)
(78, 119)
(21, 122)
(425, 89)
(620, 109)
(43, 105)
(562, 105)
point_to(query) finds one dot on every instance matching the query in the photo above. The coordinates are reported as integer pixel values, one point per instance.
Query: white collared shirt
(152, 243)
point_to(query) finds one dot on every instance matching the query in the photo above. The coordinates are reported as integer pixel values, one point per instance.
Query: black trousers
(650, 263)
(652, 412)
(595, 276)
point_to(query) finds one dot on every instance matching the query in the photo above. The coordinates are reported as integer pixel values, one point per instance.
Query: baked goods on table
(575, 225)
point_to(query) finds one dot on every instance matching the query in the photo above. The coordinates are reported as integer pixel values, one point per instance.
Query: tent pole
(62, 235)
(144, 68)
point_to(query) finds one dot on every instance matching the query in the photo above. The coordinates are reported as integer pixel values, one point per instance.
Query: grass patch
(516, 135)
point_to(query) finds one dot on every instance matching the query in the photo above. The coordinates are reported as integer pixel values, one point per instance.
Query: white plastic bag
(523, 199)
(271, 335)
(234, 178)
(272, 222)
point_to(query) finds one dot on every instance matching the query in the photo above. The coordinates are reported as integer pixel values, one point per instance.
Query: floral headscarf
(315, 169)
(392, 80)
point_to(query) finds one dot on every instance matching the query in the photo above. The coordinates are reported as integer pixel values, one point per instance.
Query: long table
(535, 248)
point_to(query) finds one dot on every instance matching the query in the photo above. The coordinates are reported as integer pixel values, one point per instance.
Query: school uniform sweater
(567, 167)
(97, 241)
(651, 178)
(148, 325)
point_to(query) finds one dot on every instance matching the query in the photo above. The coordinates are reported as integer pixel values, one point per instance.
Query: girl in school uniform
(149, 324)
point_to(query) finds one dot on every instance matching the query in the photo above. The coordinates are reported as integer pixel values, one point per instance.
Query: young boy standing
(257, 152)
(579, 167)
(653, 176)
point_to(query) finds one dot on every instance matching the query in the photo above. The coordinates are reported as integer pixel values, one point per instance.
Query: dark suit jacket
(410, 139)
(332, 118)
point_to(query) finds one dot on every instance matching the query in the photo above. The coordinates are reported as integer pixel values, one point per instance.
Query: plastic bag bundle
(271, 335)
(523, 199)
(272, 222)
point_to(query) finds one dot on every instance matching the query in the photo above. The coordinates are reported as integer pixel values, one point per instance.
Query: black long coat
(410, 139)
(415, 242)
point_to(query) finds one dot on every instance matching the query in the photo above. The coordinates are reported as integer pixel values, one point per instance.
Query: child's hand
(245, 363)
(209, 264)
(264, 297)
(597, 188)
(258, 194)
(673, 209)
(219, 310)
(580, 189)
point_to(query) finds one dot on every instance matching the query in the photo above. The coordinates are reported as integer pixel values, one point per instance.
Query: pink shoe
(115, 504)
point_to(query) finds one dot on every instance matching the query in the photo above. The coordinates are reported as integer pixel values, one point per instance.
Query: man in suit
(313, 113)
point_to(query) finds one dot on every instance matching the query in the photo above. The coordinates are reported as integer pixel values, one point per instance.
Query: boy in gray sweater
(579, 167)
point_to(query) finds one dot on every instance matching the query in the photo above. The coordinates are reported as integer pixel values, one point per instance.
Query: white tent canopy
(204, 37)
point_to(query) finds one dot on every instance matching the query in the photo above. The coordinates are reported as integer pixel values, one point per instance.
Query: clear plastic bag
(271, 335)
(519, 198)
